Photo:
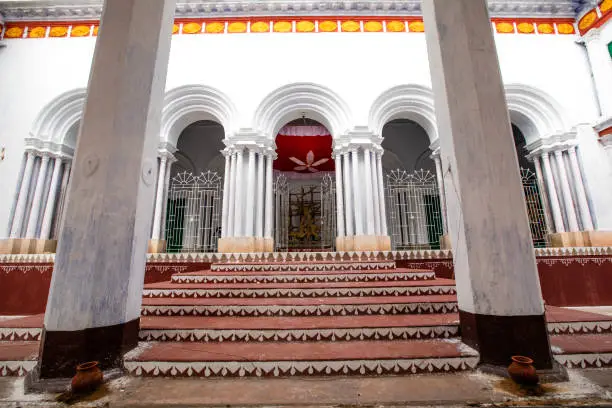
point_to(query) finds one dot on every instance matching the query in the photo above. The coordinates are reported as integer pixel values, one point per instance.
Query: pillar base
(363, 243)
(28, 246)
(245, 245)
(498, 338)
(156, 246)
(445, 242)
(10, 246)
(25, 246)
(46, 246)
(62, 351)
(597, 238)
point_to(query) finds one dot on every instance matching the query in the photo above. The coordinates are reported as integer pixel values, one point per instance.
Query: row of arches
(532, 110)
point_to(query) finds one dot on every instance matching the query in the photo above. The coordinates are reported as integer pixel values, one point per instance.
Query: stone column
(369, 194)
(14, 204)
(250, 196)
(543, 194)
(22, 201)
(45, 244)
(30, 245)
(568, 202)
(226, 192)
(583, 205)
(444, 239)
(268, 238)
(94, 303)
(500, 303)
(381, 197)
(157, 244)
(171, 161)
(339, 204)
(231, 208)
(552, 194)
(62, 199)
(349, 210)
(601, 65)
(259, 218)
(357, 197)
(375, 198)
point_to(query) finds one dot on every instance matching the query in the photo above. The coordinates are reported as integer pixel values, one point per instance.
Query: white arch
(58, 116)
(413, 102)
(289, 102)
(534, 112)
(192, 103)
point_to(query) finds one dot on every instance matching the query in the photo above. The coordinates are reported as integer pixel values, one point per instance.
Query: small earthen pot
(522, 371)
(87, 379)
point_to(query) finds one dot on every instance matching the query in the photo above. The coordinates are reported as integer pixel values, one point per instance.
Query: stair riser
(18, 334)
(602, 327)
(389, 277)
(357, 334)
(300, 293)
(297, 310)
(16, 368)
(304, 267)
(300, 368)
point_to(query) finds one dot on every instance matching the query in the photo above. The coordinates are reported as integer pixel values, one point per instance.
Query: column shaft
(226, 184)
(269, 197)
(165, 198)
(440, 179)
(543, 194)
(51, 200)
(339, 196)
(259, 220)
(568, 202)
(381, 195)
(231, 212)
(501, 309)
(16, 195)
(583, 205)
(38, 196)
(375, 191)
(62, 199)
(349, 209)
(94, 304)
(239, 208)
(357, 196)
(22, 201)
(552, 194)
(601, 66)
(370, 223)
(250, 198)
(157, 214)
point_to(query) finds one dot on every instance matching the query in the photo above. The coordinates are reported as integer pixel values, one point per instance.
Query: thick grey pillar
(94, 303)
(500, 302)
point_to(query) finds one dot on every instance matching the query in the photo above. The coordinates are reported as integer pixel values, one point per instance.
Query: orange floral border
(291, 25)
(595, 17)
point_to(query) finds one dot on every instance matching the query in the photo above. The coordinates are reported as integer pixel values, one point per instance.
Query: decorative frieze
(595, 17)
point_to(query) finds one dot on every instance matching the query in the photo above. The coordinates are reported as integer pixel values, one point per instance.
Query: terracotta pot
(522, 371)
(87, 379)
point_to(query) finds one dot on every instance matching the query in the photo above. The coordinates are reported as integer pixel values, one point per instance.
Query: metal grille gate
(193, 215)
(413, 208)
(535, 209)
(281, 214)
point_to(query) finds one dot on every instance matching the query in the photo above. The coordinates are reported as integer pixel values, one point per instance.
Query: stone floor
(592, 387)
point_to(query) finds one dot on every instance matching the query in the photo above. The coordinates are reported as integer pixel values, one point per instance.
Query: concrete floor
(586, 388)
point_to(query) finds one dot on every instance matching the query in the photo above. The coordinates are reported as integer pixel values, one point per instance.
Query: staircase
(300, 318)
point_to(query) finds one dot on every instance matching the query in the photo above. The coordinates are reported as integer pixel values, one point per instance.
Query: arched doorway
(534, 199)
(304, 174)
(195, 192)
(414, 206)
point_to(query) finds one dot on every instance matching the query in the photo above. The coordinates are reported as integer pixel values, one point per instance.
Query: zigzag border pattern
(299, 292)
(370, 277)
(16, 368)
(301, 310)
(300, 368)
(595, 360)
(20, 334)
(302, 267)
(580, 327)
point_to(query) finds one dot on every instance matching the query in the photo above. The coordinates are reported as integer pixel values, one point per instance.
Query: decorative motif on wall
(41, 29)
(596, 17)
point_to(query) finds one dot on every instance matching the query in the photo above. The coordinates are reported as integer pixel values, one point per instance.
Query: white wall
(247, 67)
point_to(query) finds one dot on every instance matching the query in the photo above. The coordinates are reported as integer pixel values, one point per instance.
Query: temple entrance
(304, 188)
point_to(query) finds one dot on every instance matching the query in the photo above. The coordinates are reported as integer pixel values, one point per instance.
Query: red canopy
(304, 149)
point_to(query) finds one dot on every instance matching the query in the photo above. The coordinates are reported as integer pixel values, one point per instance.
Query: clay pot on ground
(87, 379)
(522, 371)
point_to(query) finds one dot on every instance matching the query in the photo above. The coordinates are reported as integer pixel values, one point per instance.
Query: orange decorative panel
(260, 27)
(58, 31)
(175, 29)
(504, 27)
(546, 28)
(37, 32)
(13, 32)
(237, 27)
(215, 27)
(416, 27)
(396, 26)
(373, 26)
(525, 28)
(328, 26)
(283, 27)
(192, 28)
(605, 6)
(80, 31)
(351, 26)
(565, 28)
(305, 26)
(587, 20)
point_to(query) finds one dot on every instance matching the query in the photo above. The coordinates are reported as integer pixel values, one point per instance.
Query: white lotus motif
(310, 163)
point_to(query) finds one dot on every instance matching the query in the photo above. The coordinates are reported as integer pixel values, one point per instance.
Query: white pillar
(601, 65)
(339, 196)
(22, 201)
(543, 195)
(381, 195)
(38, 196)
(239, 208)
(171, 160)
(568, 202)
(250, 196)
(269, 196)
(96, 288)
(226, 184)
(369, 195)
(440, 179)
(231, 209)
(583, 205)
(259, 220)
(62, 199)
(498, 288)
(553, 198)
(51, 200)
(16, 195)
(349, 209)
(375, 190)
(159, 197)
(357, 196)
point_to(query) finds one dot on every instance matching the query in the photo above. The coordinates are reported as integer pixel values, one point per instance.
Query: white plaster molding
(57, 117)
(536, 113)
(606, 141)
(359, 137)
(91, 9)
(603, 124)
(295, 100)
(560, 142)
(192, 103)
(413, 102)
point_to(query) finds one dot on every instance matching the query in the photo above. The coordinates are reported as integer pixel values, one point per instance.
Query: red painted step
(173, 285)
